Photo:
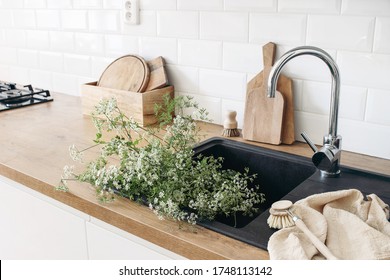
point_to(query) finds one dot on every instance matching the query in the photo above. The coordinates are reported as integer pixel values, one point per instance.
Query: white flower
(75, 154)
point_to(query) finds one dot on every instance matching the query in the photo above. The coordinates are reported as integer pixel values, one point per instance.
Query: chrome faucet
(327, 158)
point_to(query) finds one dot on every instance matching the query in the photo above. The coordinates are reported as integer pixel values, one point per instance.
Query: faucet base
(326, 174)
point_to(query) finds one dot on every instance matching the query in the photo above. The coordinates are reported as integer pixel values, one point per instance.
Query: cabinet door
(33, 228)
(108, 242)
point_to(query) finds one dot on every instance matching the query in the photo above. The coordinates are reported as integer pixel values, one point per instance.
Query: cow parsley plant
(158, 166)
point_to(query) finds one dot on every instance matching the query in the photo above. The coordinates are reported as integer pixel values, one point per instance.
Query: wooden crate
(138, 105)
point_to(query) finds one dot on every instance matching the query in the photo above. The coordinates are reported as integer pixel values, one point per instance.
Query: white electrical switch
(130, 13)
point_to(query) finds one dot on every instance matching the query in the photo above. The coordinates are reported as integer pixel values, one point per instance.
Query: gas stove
(14, 96)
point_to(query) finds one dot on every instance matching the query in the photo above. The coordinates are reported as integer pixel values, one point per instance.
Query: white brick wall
(213, 47)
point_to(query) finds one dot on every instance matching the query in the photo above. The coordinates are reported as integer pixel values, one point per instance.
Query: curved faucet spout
(327, 158)
(324, 56)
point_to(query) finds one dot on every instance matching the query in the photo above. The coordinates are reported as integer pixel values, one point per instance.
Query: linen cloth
(351, 226)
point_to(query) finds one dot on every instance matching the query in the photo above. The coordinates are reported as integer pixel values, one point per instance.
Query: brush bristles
(231, 132)
(280, 220)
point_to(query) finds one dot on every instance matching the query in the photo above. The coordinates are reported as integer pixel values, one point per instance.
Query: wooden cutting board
(158, 75)
(263, 117)
(129, 72)
(284, 86)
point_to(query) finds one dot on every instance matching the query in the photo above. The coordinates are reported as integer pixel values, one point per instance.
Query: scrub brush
(282, 217)
(230, 125)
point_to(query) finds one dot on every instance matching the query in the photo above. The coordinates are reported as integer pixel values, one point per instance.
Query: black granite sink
(281, 176)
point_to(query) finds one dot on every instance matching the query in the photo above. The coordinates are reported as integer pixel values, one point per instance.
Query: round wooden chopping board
(129, 72)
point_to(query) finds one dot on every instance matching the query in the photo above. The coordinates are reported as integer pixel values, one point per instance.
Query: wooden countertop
(35, 142)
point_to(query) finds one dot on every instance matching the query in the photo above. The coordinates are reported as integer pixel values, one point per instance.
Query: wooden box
(138, 105)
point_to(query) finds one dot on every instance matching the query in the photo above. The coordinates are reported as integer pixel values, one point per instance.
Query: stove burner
(15, 96)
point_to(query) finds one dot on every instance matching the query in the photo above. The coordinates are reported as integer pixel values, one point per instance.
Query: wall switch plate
(130, 11)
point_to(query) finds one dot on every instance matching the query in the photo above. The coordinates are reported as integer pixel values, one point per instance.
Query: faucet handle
(309, 142)
(326, 159)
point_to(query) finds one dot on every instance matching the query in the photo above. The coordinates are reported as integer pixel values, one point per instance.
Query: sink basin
(281, 176)
(278, 174)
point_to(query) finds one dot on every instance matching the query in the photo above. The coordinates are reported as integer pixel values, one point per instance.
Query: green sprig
(164, 173)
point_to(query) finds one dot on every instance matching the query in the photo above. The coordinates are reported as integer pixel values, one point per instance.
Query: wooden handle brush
(230, 125)
(282, 217)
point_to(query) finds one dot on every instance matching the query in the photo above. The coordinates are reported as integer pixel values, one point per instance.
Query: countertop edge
(165, 234)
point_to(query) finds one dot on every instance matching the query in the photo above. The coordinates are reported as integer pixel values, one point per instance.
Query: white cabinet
(34, 226)
(108, 242)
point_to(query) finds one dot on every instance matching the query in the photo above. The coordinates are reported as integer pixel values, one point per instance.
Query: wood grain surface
(129, 72)
(35, 150)
(158, 75)
(263, 116)
(284, 86)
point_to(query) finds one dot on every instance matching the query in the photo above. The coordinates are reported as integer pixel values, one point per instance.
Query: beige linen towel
(352, 228)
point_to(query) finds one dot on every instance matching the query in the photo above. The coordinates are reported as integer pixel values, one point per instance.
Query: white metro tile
(147, 26)
(77, 64)
(226, 26)
(48, 19)
(200, 53)
(242, 57)
(341, 32)
(279, 28)
(184, 78)
(87, 4)
(10, 4)
(8, 55)
(65, 83)
(356, 136)
(310, 6)
(112, 4)
(37, 39)
(51, 61)
(15, 37)
(153, 47)
(28, 58)
(238, 106)
(364, 69)
(297, 89)
(306, 67)
(382, 38)
(200, 5)
(61, 41)
(4, 72)
(3, 40)
(158, 5)
(34, 4)
(378, 107)
(316, 97)
(183, 24)
(119, 45)
(74, 19)
(251, 5)
(353, 102)
(41, 78)
(59, 4)
(363, 7)
(104, 21)
(24, 18)
(20, 75)
(6, 18)
(89, 43)
(223, 84)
